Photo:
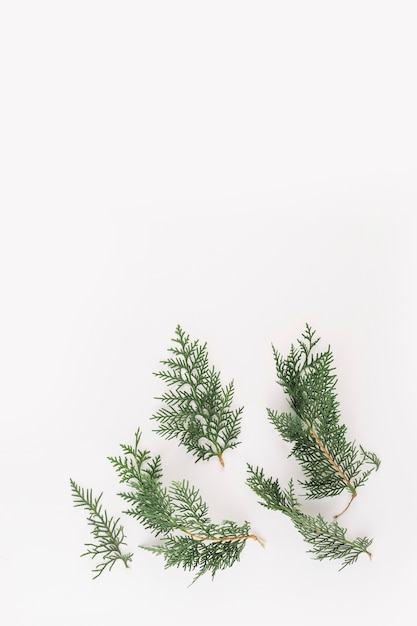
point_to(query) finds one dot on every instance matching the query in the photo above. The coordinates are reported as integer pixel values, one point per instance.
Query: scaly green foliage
(189, 539)
(327, 539)
(197, 409)
(330, 462)
(107, 532)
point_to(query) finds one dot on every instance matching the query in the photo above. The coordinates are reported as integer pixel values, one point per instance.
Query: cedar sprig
(178, 514)
(196, 409)
(329, 461)
(108, 532)
(327, 539)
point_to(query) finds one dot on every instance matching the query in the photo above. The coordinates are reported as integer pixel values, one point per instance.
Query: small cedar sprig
(197, 409)
(330, 462)
(178, 514)
(327, 539)
(108, 532)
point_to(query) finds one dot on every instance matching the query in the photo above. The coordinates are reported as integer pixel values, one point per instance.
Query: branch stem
(347, 506)
(237, 538)
(337, 468)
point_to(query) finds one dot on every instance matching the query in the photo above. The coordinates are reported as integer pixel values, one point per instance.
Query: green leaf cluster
(197, 410)
(107, 531)
(327, 539)
(330, 463)
(189, 539)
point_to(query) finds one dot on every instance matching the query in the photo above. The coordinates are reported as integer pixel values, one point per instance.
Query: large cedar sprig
(196, 409)
(178, 514)
(329, 461)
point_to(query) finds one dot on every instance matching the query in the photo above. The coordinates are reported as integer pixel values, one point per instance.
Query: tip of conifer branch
(258, 539)
(221, 460)
(369, 554)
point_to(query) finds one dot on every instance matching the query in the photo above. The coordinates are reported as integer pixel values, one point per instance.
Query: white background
(240, 168)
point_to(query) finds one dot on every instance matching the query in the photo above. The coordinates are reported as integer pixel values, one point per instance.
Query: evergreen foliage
(178, 514)
(329, 461)
(197, 409)
(198, 412)
(327, 539)
(107, 531)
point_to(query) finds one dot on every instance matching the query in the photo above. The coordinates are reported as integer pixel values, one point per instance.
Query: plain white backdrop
(240, 168)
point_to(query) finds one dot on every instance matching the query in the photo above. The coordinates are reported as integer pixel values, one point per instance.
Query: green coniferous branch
(107, 532)
(197, 409)
(330, 462)
(189, 539)
(327, 539)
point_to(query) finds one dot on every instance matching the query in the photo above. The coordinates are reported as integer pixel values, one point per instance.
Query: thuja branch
(107, 531)
(178, 514)
(327, 539)
(196, 408)
(330, 462)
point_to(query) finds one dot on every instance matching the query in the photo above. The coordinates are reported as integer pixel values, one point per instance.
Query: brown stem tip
(347, 506)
